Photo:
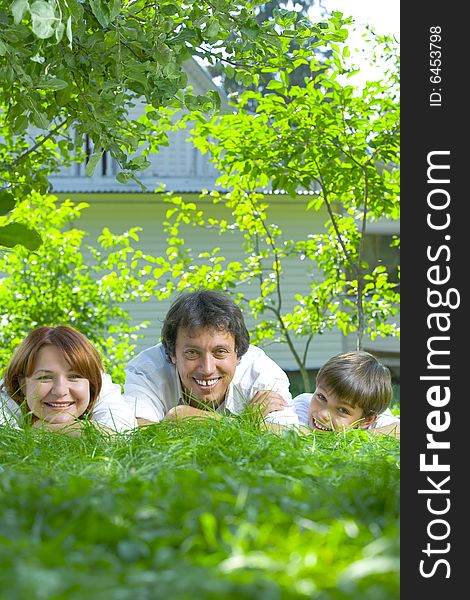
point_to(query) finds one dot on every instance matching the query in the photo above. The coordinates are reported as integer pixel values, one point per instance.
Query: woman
(55, 378)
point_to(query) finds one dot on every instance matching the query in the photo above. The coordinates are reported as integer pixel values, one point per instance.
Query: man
(205, 363)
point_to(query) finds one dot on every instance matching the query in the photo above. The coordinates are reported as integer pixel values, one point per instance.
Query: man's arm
(267, 401)
(386, 424)
(141, 422)
(272, 383)
(273, 407)
(286, 417)
(141, 396)
(183, 411)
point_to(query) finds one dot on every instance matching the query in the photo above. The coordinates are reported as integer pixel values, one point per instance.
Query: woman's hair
(77, 350)
(206, 309)
(359, 379)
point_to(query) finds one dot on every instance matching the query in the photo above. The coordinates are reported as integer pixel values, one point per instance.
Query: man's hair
(76, 349)
(359, 379)
(204, 309)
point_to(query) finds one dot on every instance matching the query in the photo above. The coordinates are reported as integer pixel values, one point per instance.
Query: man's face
(206, 360)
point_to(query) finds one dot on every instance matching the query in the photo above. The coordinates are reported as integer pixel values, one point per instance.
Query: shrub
(68, 282)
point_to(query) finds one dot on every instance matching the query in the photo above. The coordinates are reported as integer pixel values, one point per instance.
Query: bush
(69, 283)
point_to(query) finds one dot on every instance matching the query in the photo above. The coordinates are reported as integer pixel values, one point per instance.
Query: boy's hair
(76, 349)
(206, 309)
(359, 379)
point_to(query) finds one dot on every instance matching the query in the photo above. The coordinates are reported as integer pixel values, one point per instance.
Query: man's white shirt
(153, 387)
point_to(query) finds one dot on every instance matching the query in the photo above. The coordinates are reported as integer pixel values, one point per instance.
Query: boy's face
(327, 412)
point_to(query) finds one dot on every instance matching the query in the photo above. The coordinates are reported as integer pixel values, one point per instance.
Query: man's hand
(141, 422)
(268, 401)
(183, 411)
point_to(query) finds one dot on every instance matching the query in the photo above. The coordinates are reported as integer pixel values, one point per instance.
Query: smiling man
(205, 361)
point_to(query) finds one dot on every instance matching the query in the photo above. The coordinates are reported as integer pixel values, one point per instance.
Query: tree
(266, 11)
(74, 68)
(330, 140)
(68, 282)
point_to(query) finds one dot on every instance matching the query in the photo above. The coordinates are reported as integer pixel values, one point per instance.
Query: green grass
(200, 510)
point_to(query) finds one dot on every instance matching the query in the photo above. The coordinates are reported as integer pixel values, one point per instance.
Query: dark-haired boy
(354, 390)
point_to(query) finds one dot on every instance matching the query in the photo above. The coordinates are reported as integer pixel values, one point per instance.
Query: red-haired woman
(55, 378)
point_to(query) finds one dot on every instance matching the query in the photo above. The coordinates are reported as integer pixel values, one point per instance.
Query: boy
(353, 391)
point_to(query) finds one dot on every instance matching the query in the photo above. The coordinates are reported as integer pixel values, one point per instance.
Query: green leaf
(44, 19)
(101, 11)
(212, 31)
(20, 124)
(18, 8)
(68, 31)
(170, 9)
(215, 97)
(139, 163)
(123, 177)
(7, 202)
(40, 119)
(91, 164)
(274, 84)
(51, 83)
(17, 233)
(59, 32)
(229, 71)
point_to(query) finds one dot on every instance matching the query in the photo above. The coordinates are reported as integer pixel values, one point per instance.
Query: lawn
(199, 510)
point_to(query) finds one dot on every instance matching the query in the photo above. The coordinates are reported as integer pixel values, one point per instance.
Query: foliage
(285, 11)
(72, 68)
(67, 282)
(199, 510)
(340, 147)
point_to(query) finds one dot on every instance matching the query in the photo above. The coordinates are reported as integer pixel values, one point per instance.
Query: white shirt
(153, 387)
(302, 402)
(109, 410)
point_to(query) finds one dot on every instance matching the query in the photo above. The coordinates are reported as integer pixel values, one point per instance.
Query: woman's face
(54, 392)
